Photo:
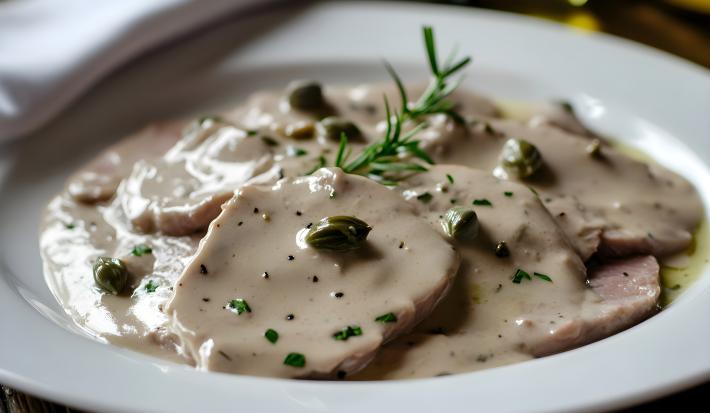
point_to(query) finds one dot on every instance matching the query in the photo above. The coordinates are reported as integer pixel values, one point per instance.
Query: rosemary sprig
(397, 152)
(433, 100)
(385, 156)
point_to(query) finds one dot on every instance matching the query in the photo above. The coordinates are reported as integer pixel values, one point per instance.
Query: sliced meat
(181, 192)
(623, 293)
(621, 242)
(487, 319)
(582, 227)
(98, 180)
(561, 115)
(623, 198)
(256, 251)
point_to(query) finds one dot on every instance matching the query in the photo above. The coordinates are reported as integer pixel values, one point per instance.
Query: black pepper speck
(290, 317)
(203, 269)
(291, 258)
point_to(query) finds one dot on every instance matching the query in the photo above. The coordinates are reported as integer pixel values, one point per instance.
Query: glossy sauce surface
(145, 192)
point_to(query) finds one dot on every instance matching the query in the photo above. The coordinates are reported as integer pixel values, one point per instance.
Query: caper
(305, 95)
(594, 149)
(332, 127)
(300, 130)
(460, 222)
(502, 250)
(338, 233)
(110, 274)
(520, 158)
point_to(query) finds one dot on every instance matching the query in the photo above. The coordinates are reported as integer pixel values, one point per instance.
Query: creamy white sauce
(163, 181)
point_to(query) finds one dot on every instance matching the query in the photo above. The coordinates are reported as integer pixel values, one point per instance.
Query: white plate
(643, 96)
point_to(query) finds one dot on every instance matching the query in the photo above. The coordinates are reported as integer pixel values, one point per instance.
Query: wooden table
(682, 31)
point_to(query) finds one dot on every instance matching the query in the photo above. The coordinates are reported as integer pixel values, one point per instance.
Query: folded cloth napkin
(52, 51)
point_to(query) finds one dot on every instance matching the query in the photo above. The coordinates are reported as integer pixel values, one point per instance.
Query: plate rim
(46, 390)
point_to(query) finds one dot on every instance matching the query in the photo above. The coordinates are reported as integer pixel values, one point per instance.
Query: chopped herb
(251, 132)
(141, 249)
(502, 250)
(293, 151)
(426, 197)
(295, 360)
(347, 332)
(271, 335)
(387, 318)
(482, 202)
(332, 195)
(533, 190)
(268, 140)
(69, 226)
(542, 276)
(519, 275)
(450, 178)
(223, 354)
(508, 194)
(239, 306)
(151, 286)
(675, 287)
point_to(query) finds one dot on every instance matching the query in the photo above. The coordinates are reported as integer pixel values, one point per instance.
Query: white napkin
(52, 51)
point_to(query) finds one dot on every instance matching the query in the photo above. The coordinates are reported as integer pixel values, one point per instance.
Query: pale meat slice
(255, 251)
(629, 206)
(181, 192)
(487, 319)
(626, 292)
(561, 115)
(98, 180)
(299, 143)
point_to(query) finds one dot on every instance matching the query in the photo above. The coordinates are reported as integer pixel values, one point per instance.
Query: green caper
(110, 274)
(460, 222)
(300, 130)
(594, 149)
(520, 158)
(338, 233)
(305, 95)
(333, 127)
